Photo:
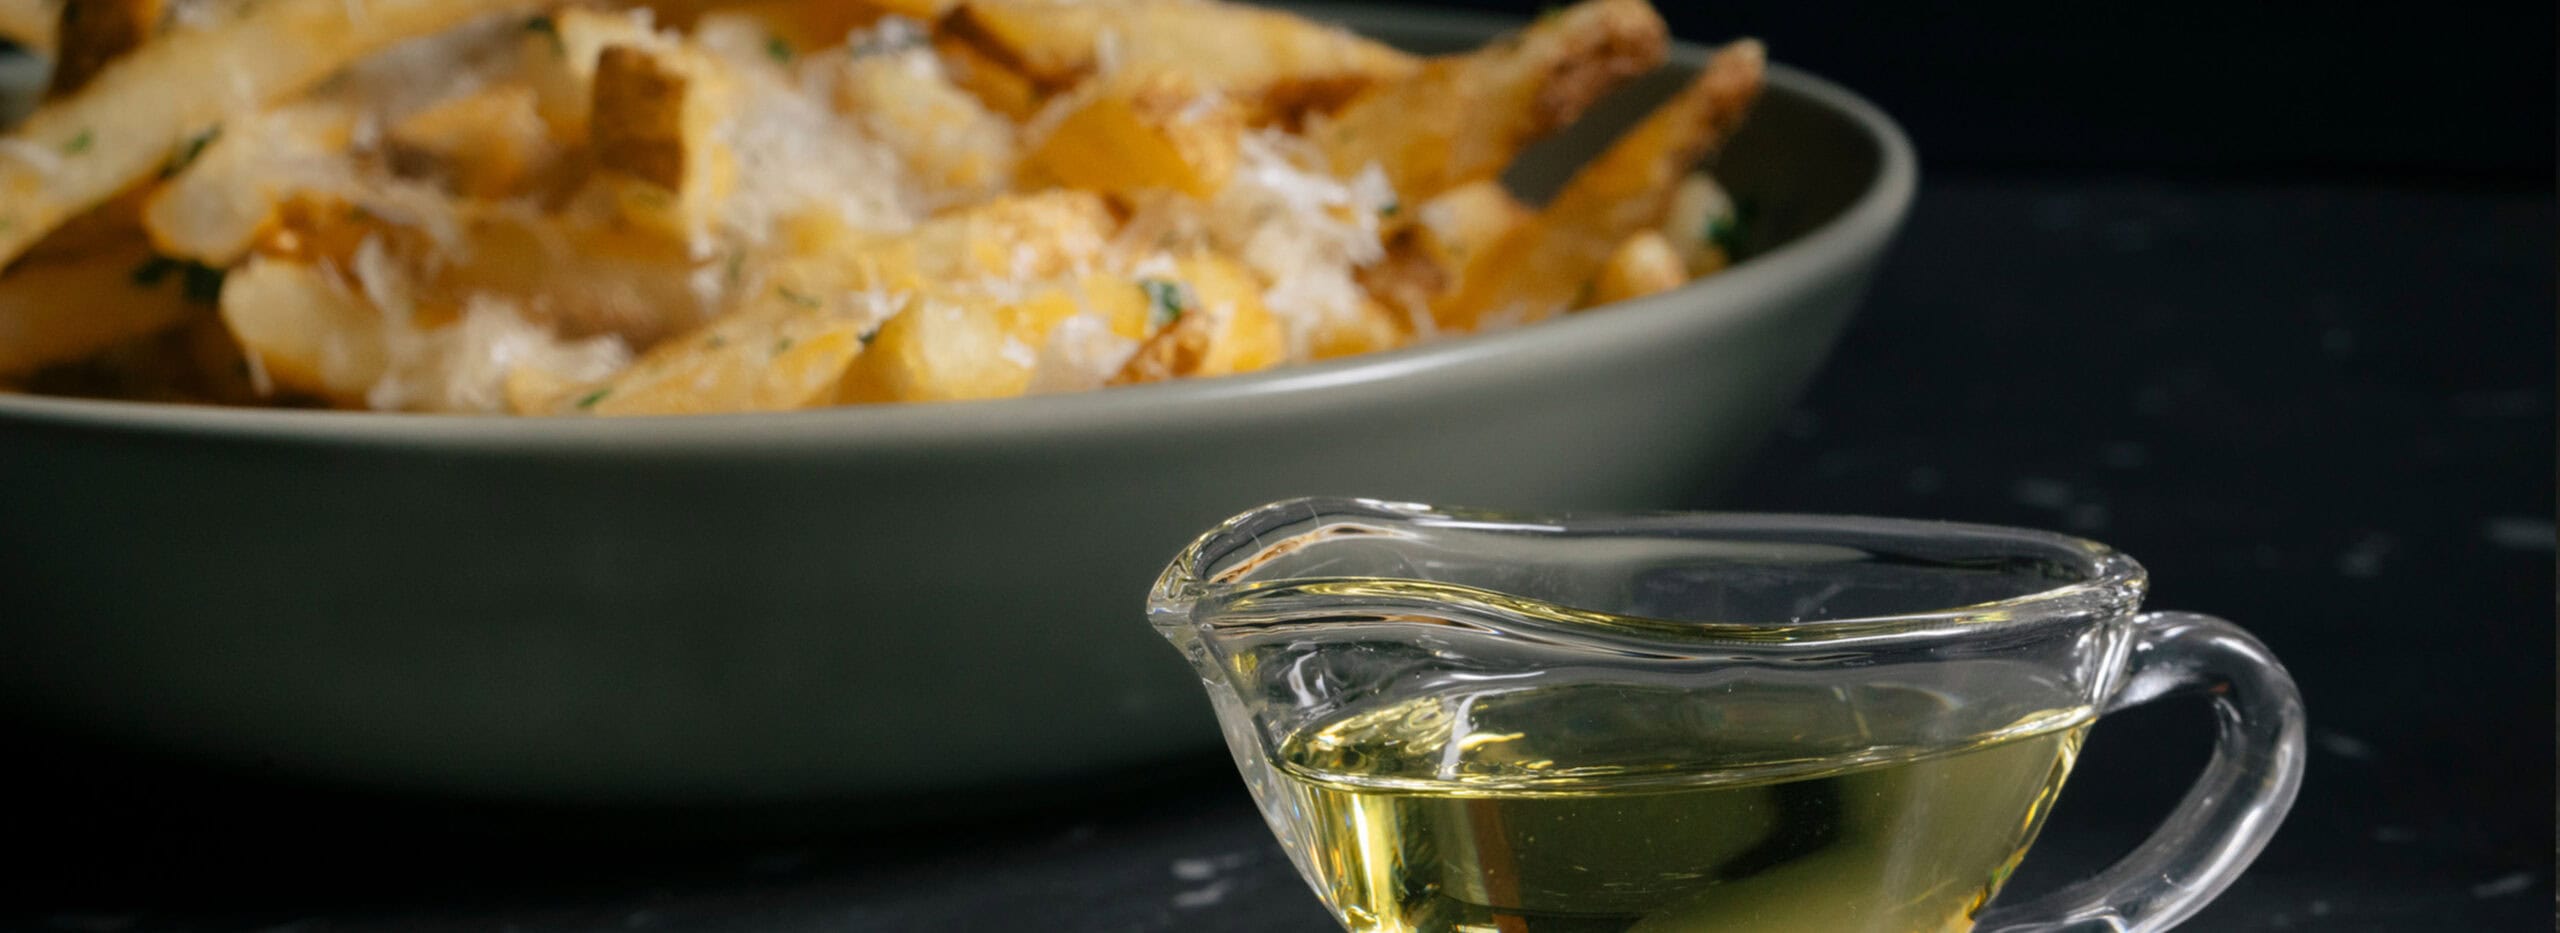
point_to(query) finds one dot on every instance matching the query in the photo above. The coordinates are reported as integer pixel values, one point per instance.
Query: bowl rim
(1466, 363)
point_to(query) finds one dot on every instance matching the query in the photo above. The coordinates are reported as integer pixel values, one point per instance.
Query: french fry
(770, 356)
(1021, 196)
(1643, 264)
(559, 52)
(1215, 324)
(1631, 183)
(1028, 237)
(1541, 269)
(1703, 224)
(57, 310)
(1464, 117)
(488, 144)
(1446, 244)
(1136, 130)
(955, 344)
(1275, 65)
(999, 86)
(1370, 328)
(304, 331)
(951, 143)
(231, 192)
(796, 24)
(31, 24)
(92, 33)
(651, 134)
(129, 119)
(576, 278)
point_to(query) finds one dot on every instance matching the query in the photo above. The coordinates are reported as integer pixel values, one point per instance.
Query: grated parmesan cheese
(1301, 229)
(795, 153)
(1081, 353)
(464, 366)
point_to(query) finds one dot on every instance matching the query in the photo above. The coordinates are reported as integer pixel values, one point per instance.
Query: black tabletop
(2324, 412)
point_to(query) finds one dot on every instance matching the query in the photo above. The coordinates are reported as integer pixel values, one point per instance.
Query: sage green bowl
(893, 600)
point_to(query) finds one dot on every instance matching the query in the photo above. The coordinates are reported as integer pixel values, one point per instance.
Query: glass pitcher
(1471, 721)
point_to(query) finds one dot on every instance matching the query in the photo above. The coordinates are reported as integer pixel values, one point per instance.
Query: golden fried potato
(559, 55)
(1540, 270)
(490, 144)
(773, 355)
(954, 344)
(1443, 243)
(1630, 185)
(951, 143)
(1465, 117)
(578, 279)
(999, 86)
(1275, 65)
(53, 310)
(1370, 328)
(1643, 264)
(651, 132)
(303, 330)
(229, 194)
(796, 25)
(1209, 320)
(1135, 131)
(31, 24)
(1703, 224)
(92, 33)
(129, 120)
(1021, 237)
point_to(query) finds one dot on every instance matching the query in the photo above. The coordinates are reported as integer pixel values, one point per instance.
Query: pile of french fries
(694, 206)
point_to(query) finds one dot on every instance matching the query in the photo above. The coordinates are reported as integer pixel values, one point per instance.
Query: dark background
(2443, 93)
(2261, 293)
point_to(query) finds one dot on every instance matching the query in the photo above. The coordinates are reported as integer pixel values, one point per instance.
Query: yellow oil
(1624, 810)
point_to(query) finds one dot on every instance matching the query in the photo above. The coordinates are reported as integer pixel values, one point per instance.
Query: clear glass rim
(2109, 583)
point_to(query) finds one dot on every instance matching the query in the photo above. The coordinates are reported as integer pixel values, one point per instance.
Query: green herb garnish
(154, 269)
(590, 399)
(795, 297)
(1393, 206)
(781, 345)
(188, 151)
(1725, 231)
(549, 30)
(777, 49)
(80, 143)
(201, 283)
(1166, 301)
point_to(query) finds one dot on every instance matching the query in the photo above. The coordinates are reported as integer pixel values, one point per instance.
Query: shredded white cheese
(793, 153)
(1301, 229)
(1080, 354)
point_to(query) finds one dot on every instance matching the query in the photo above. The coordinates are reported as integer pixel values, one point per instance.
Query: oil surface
(1605, 809)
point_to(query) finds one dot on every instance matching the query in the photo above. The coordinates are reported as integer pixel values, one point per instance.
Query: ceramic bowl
(865, 601)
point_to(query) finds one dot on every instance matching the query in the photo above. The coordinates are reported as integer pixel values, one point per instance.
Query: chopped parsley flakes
(200, 283)
(1167, 300)
(188, 151)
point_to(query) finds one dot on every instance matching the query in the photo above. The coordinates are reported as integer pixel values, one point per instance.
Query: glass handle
(2226, 817)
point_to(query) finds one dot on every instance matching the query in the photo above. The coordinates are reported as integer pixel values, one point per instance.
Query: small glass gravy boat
(1469, 721)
